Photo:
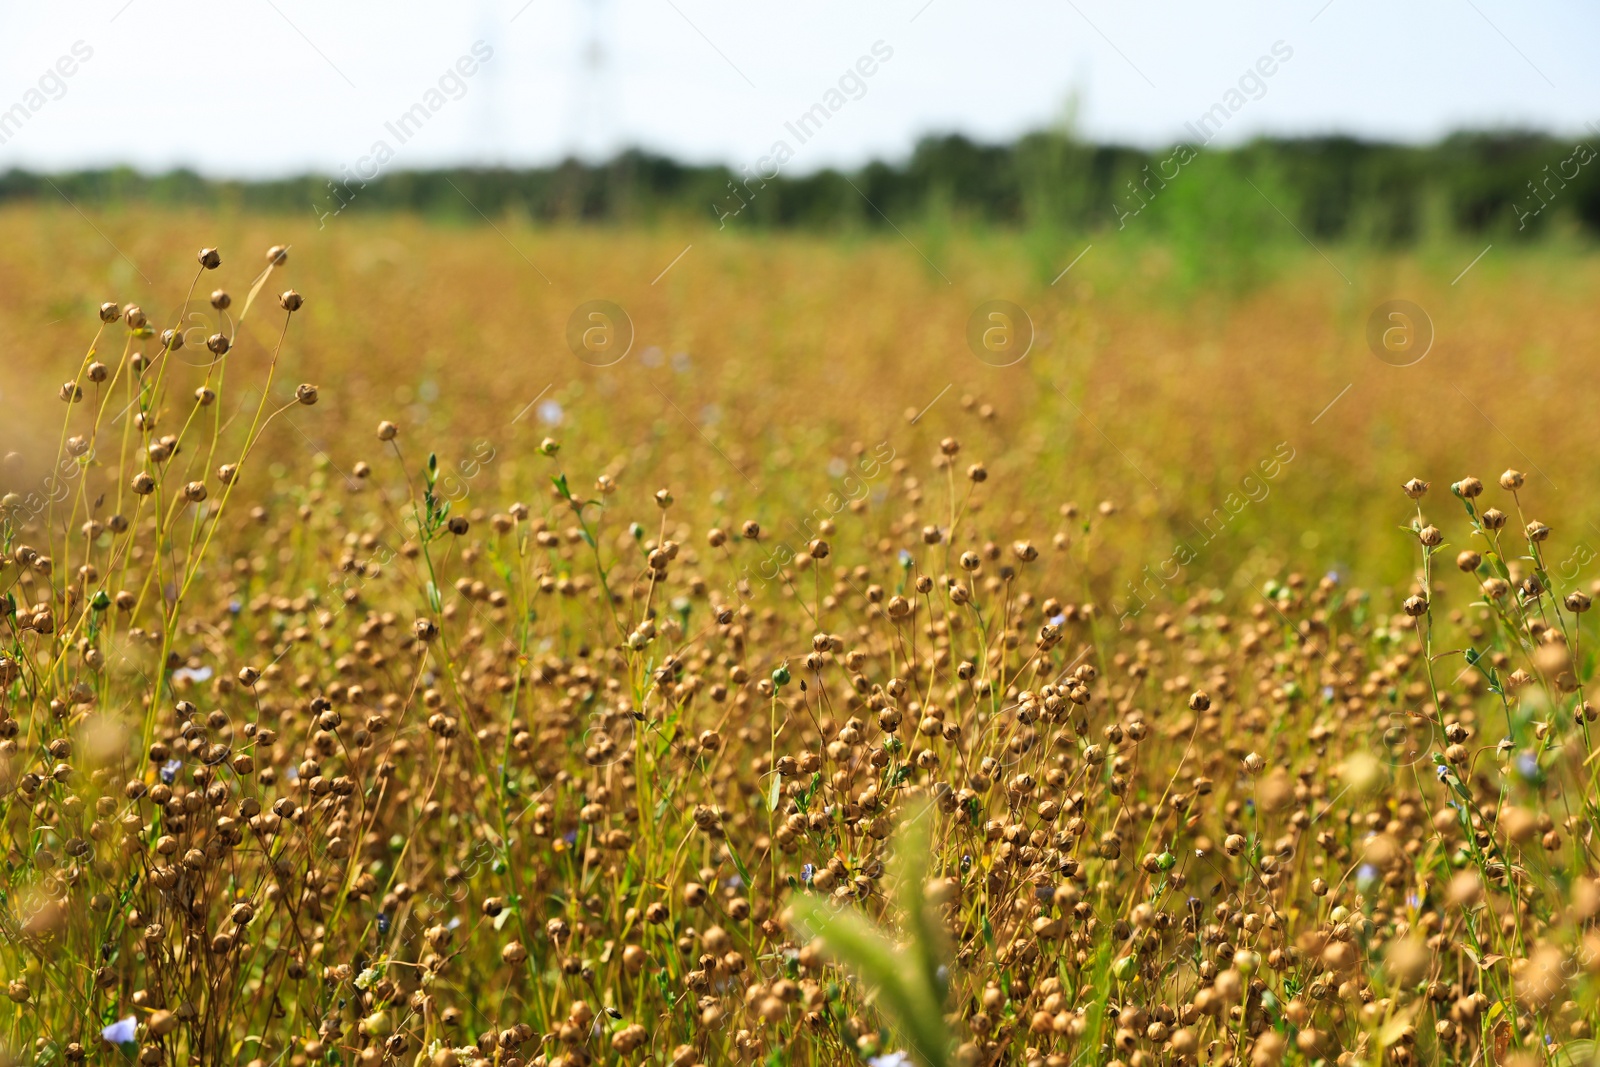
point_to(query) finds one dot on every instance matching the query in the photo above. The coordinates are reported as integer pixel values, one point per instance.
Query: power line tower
(593, 118)
(491, 150)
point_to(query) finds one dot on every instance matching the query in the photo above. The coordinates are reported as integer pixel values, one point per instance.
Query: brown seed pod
(109, 312)
(220, 299)
(290, 301)
(210, 258)
(306, 394)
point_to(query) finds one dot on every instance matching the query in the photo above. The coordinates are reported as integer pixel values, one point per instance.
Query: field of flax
(396, 673)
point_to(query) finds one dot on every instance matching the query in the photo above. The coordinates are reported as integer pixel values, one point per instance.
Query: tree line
(1515, 184)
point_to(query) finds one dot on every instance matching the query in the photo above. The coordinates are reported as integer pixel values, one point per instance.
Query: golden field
(799, 687)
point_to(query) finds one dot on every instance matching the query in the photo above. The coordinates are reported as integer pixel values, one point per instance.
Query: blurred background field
(1177, 352)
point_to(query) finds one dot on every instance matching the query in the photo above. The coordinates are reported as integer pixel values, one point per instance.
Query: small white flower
(891, 1059)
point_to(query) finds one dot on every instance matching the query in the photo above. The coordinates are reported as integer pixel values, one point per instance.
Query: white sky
(269, 87)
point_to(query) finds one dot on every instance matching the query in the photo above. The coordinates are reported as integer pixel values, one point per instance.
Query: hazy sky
(260, 87)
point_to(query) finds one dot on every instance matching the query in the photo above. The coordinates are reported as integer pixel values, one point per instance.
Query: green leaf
(861, 945)
(909, 867)
(738, 865)
(1577, 1054)
(914, 996)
